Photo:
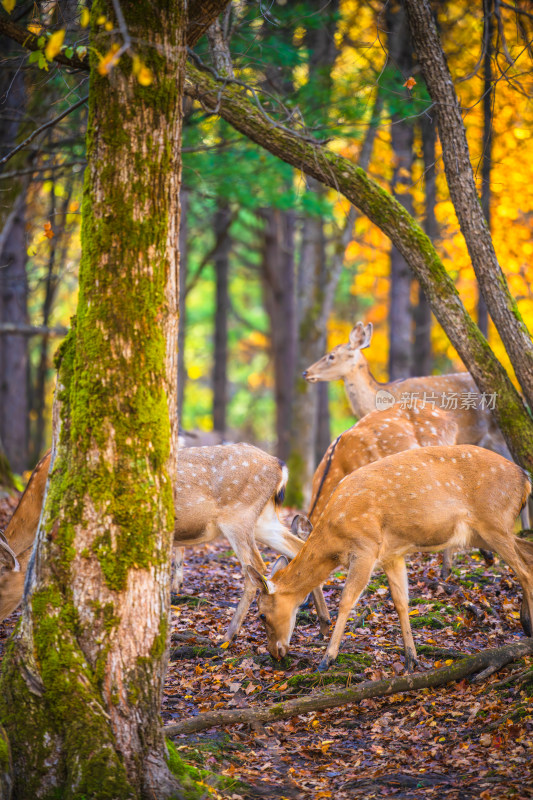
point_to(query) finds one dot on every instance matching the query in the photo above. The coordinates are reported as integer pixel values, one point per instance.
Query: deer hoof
(411, 662)
(324, 627)
(325, 664)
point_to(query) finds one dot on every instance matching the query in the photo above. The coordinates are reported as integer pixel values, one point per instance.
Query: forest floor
(465, 740)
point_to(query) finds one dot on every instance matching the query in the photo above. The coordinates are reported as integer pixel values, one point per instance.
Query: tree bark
(183, 248)
(486, 660)
(278, 279)
(221, 225)
(402, 138)
(81, 688)
(381, 208)
(486, 156)
(460, 177)
(313, 272)
(14, 387)
(422, 354)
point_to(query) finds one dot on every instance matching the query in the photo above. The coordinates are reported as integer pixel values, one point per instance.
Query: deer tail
(282, 485)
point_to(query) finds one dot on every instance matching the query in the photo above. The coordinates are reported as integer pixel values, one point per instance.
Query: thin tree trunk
(13, 283)
(14, 359)
(486, 156)
(381, 208)
(278, 278)
(52, 282)
(501, 305)
(6, 476)
(313, 273)
(422, 354)
(182, 371)
(402, 137)
(80, 690)
(221, 225)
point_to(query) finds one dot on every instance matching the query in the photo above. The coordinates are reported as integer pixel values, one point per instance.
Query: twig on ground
(329, 698)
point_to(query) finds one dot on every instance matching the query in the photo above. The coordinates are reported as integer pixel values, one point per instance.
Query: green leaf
(69, 52)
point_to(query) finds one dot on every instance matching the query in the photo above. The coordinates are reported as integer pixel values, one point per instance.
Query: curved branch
(343, 176)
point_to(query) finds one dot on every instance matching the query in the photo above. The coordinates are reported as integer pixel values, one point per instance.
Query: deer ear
(259, 581)
(301, 527)
(368, 336)
(279, 563)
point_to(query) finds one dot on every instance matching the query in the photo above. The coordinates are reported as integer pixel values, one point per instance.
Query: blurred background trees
(275, 268)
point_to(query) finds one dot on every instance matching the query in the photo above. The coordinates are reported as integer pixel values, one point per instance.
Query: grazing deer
(228, 490)
(347, 363)
(233, 491)
(426, 499)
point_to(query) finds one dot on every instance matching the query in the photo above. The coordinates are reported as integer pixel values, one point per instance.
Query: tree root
(329, 698)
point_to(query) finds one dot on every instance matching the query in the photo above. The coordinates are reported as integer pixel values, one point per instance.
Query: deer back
(376, 436)
(223, 483)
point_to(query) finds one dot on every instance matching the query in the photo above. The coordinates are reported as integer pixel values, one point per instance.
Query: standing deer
(475, 424)
(426, 499)
(228, 490)
(375, 436)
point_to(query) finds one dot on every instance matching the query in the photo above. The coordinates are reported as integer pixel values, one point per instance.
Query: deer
(426, 499)
(346, 362)
(230, 490)
(375, 436)
(234, 490)
(15, 549)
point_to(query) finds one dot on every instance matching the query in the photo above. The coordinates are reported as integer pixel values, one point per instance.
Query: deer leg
(399, 588)
(447, 561)
(247, 553)
(518, 554)
(176, 570)
(359, 574)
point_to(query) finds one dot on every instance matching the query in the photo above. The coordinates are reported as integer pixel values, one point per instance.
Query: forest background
(274, 268)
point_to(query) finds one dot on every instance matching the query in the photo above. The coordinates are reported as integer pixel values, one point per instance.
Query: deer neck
(361, 388)
(311, 567)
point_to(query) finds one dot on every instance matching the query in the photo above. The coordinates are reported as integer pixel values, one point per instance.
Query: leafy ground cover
(466, 740)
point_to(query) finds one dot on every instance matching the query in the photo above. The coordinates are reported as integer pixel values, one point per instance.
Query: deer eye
(331, 357)
(262, 617)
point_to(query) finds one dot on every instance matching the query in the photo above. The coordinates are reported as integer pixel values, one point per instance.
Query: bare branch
(49, 124)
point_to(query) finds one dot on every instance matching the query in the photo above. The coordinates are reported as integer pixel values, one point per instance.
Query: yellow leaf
(108, 26)
(145, 76)
(54, 45)
(85, 17)
(101, 19)
(9, 5)
(449, 662)
(224, 645)
(108, 61)
(35, 27)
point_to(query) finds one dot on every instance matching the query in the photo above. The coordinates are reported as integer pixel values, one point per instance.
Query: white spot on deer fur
(493, 469)
(433, 430)
(441, 458)
(245, 463)
(454, 461)
(469, 455)
(434, 414)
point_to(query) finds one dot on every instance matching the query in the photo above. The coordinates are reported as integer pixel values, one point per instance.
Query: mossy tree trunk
(340, 174)
(500, 303)
(81, 685)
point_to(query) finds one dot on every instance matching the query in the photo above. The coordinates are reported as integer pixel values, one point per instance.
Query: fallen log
(484, 661)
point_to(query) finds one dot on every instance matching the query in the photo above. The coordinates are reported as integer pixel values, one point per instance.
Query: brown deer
(418, 500)
(457, 393)
(228, 490)
(377, 435)
(19, 536)
(233, 491)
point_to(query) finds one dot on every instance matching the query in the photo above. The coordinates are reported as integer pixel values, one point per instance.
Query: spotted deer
(375, 436)
(228, 490)
(233, 491)
(417, 500)
(346, 362)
